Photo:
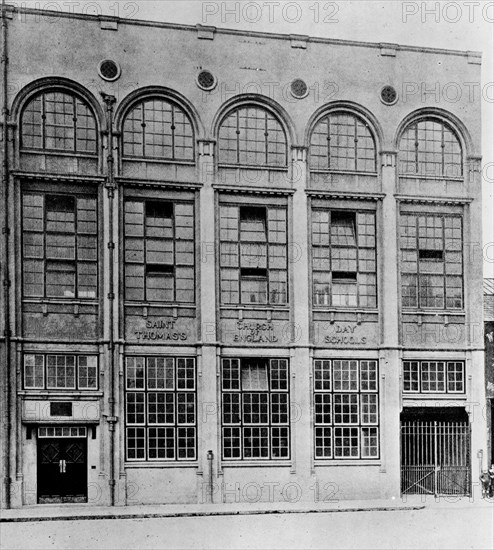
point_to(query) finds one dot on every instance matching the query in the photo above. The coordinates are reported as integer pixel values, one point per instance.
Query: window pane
(345, 375)
(252, 136)
(341, 141)
(136, 443)
(135, 373)
(158, 129)
(34, 366)
(87, 372)
(60, 371)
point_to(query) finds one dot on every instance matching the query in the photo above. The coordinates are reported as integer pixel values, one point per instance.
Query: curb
(204, 514)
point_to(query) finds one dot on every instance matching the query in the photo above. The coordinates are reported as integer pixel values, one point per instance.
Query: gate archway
(435, 451)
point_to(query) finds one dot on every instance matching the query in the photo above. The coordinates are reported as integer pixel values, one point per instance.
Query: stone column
(301, 421)
(389, 308)
(208, 362)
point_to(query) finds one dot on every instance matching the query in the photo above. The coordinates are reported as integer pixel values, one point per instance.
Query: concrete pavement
(71, 512)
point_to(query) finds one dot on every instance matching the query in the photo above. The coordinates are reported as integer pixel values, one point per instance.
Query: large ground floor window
(160, 408)
(346, 409)
(255, 409)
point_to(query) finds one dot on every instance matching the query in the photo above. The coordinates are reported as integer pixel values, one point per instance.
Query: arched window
(58, 121)
(430, 148)
(342, 141)
(252, 136)
(158, 129)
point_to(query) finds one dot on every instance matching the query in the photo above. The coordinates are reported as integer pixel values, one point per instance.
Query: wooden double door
(62, 470)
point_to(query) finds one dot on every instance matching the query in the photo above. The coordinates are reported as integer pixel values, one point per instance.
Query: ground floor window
(255, 409)
(160, 408)
(434, 376)
(346, 409)
(60, 372)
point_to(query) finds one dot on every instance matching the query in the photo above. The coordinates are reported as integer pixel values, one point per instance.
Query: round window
(389, 95)
(109, 70)
(299, 88)
(206, 80)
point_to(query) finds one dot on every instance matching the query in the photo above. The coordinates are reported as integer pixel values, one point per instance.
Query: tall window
(157, 129)
(430, 148)
(253, 255)
(59, 234)
(252, 136)
(255, 409)
(342, 141)
(60, 372)
(159, 251)
(160, 408)
(344, 258)
(58, 121)
(434, 376)
(346, 409)
(431, 261)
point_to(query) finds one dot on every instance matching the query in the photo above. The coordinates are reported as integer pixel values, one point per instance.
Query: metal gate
(435, 458)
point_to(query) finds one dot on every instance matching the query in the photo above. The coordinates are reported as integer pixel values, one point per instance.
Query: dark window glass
(60, 372)
(58, 121)
(251, 136)
(158, 129)
(431, 261)
(346, 409)
(253, 255)
(344, 258)
(160, 408)
(430, 148)
(60, 249)
(434, 377)
(159, 251)
(342, 141)
(255, 409)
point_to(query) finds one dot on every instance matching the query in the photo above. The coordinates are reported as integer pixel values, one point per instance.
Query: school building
(236, 266)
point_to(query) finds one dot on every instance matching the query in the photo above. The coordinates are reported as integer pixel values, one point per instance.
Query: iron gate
(435, 458)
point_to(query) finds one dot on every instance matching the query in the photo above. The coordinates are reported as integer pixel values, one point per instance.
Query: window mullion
(442, 150)
(266, 139)
(43, 120)
(355, 140)
(143, 126)
(74, 119)
(329, 141)
(172, 128)
(238, 135)
(416, 148)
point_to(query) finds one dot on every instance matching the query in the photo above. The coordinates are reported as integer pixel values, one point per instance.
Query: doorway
(62, 470)
(435, 451)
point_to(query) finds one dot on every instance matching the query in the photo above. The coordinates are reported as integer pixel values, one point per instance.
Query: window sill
(261, 463)
(139, 464)
(348, 462)
(460, 179)
(54, 152)
(63, 301)
(439, 396)
(259, 307)
(336, 309)
(93, 395)
(434, 312)
(257, 168)
(159, 160)
(161, 304)
(342, 172)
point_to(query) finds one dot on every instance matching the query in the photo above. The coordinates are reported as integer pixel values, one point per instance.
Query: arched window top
(342, 141)
(158, 129)
(252, 136)
(429, 147)
(59, 121)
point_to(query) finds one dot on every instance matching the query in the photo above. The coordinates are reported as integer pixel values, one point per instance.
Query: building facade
(489, 363)
(236, 266)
